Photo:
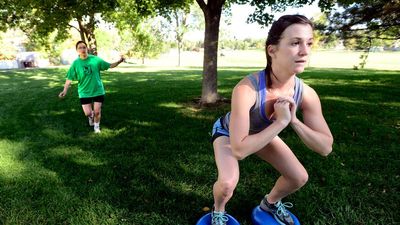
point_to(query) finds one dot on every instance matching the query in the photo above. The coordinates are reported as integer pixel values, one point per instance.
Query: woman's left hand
(292, 106)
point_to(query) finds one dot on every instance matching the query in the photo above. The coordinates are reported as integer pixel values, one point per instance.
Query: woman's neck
(83, 57)
(281, 80)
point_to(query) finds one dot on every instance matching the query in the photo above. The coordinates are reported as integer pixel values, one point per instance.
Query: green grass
(153, 162)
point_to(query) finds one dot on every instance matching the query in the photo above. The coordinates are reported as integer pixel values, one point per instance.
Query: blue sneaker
(278, 210)
(218, 218)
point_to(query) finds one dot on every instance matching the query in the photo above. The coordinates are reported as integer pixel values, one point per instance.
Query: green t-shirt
(87, 73)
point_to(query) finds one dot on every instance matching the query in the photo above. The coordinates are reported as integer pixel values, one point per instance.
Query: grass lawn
(153, 162)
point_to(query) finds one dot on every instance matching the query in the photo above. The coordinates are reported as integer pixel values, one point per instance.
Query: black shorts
(90, 100)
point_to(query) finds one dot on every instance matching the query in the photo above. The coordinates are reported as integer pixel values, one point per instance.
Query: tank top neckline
(263, 90)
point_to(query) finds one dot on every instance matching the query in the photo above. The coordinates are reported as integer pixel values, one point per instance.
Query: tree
(179, 21)
(365, 21)
(212, 10)
(38, 19)
(321, 38)
(212, 16)
(375, 19)
(147, 41)
(9, 42)
(142, 35)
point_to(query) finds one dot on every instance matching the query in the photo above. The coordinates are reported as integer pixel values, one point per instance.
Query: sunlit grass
(11, 165)
(75, 154)
(153, 162)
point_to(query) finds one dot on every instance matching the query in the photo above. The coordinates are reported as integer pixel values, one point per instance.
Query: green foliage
(148, 44)
(321, 38)
(143, 41)
(192, 45)
(107, 39)
(373, 19)
(131, 10)
(179, 23)
(153, 163)
(264, 11)
(246, 44)
(8, 43)
(40, 19)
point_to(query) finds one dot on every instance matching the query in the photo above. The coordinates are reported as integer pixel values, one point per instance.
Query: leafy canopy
(377, 19)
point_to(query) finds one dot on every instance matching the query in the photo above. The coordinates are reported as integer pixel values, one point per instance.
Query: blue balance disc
(260, 217)
(206, 220)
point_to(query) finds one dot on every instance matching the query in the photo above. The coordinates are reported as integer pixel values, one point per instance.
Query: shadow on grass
(153, 163)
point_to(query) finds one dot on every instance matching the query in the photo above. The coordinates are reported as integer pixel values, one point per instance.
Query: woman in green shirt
(86, 70)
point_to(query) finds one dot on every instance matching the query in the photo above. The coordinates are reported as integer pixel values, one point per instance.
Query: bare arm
(115, 64)
(314, 131)
(243, 144)
(65, 90)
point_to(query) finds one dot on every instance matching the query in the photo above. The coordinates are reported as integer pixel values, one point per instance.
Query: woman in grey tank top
(263, 104)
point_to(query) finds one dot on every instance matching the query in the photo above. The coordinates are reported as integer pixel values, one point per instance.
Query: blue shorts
(218, 130)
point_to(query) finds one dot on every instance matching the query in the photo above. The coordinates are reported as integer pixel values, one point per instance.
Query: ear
(271, 49)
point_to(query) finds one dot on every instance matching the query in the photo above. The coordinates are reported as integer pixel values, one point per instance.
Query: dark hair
(275, 33)
(77, 43)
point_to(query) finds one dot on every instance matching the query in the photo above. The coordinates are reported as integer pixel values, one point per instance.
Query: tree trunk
(179, 55)
(179, 35)
(87, 34)
(92, 42)
(81, 29)
(212, 14)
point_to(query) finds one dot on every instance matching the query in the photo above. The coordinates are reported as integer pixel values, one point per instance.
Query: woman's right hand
(282, 110)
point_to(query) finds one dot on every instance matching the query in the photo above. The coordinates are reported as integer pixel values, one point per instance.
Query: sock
(266, 199)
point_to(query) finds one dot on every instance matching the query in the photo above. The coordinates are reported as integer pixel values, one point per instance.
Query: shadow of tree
(153, 163)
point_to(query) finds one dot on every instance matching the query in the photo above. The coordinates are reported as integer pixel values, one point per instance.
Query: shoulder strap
(262, 92)
(298, 91)
(253, 80)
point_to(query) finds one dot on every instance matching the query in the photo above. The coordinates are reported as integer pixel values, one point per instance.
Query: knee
(227, 187)
(88, 113)
(238, 155)
(301, 179)
(97, 113)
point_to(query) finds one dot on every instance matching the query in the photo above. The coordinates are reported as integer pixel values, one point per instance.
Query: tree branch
(202, 5)
(74, 27)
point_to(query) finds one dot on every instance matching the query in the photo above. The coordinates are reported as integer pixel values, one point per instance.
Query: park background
(153, 162)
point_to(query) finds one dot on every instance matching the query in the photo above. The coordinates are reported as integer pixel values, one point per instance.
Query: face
(291, 54)
(82, 50)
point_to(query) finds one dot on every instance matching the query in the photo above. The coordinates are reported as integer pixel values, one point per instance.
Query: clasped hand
(285, 109)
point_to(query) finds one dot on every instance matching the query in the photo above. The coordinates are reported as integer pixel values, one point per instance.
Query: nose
(304, 49)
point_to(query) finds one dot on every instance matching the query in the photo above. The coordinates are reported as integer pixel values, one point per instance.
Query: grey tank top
(258, 116)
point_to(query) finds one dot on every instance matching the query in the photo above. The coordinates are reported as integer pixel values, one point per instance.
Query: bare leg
(293, 174)
(97, 112)
(87, 109)
(228, 173)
